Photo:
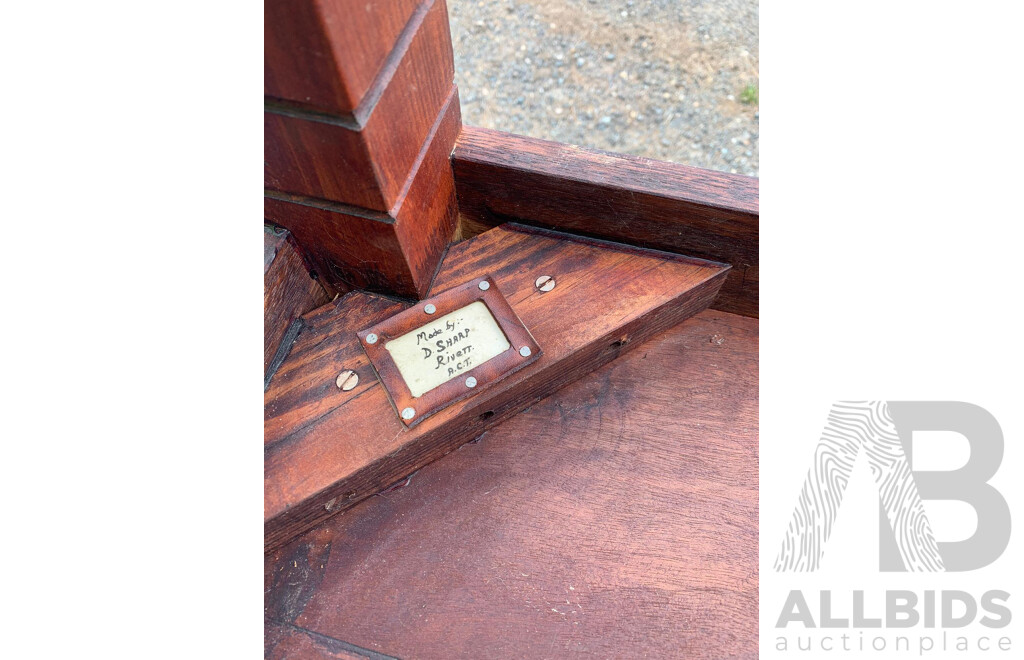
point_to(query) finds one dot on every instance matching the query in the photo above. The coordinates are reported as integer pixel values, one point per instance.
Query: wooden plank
(366, 164)
(617, 518)
(396, 252)
(288, 642)
(502, 177)
(304, 390)
(325, 54)
(288, 290)
(326, 451)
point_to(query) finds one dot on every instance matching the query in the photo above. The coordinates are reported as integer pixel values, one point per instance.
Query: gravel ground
(662, 79)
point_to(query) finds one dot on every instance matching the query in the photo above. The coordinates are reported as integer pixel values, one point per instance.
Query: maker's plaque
(447, 348)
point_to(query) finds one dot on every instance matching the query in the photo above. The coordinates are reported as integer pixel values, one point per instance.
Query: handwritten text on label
(447, 347)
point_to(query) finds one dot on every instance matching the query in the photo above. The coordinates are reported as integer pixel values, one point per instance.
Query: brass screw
(545, 283)
(347, 380)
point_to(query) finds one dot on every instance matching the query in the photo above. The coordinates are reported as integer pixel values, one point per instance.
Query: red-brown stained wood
(321, 458)
(617, 518)
(502, 177)
(366, 164)
(326, 53)
(286, 642)
(427, 213)
(346, 249)
(288, 290)
(395, 252)
(304, 387)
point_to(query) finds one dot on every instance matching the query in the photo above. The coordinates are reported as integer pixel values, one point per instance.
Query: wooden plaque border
(486, 373)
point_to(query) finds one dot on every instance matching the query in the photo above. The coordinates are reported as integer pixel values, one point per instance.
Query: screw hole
(487, 415)
(617, 343)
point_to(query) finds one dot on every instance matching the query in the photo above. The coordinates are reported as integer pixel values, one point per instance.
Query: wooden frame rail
(502, 177)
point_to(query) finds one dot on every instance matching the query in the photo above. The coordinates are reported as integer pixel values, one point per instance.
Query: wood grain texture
(502, 177)
(290, 642)
(617, 518)
(288, 290)
(366, 165)
(324, 452)
(345, 246)
(427, 212)
(326, 54)
(396, 252)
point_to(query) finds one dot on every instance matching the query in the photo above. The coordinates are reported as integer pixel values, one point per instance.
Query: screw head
(371, 338)
(408, 413)
(525, 351)
(471, 382)
(545, 283)
(429, 309)
(347, 380)
(485, 285)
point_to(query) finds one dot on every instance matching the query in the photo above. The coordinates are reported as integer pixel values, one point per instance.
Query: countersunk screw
(485, 285)
(545, 283)
(471, 382)
(371, 338)
(525, 351)
(408, 413)
(347, 380)
(429, 309)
